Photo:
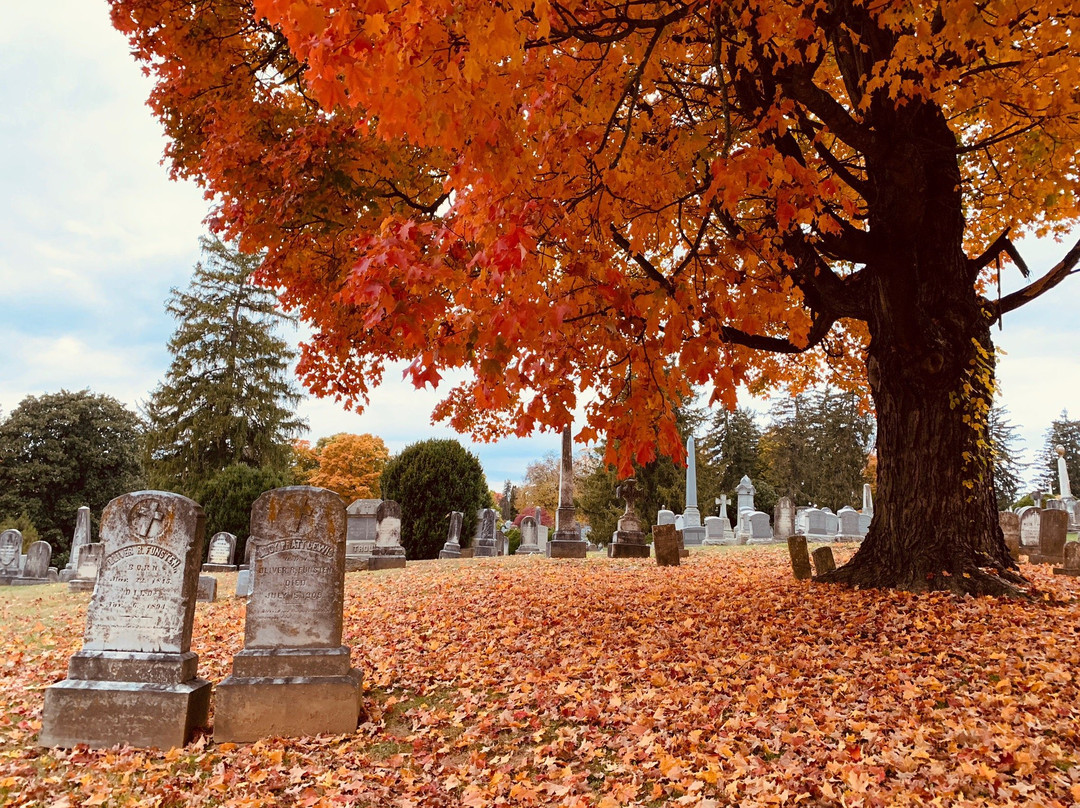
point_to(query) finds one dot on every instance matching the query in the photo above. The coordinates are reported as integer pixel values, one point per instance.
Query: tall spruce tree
(1008, 468)
(227, 397)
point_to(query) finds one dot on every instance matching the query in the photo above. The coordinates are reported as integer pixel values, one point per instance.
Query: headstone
(10, 550)
(692, 529)
(542, 538)
(628, 540)
(36, 568)
(134, 681)
(823, 560)
(388, 554)
(567, 541)
(864, 524)
(207, 591)
(1053, 530)
(783, 519)
(1030, 519)
(530, 544)
(745, 492)
(666, 545)
(219, 556)
(362, 531)
(742, 527)
(86, 573)
(815, 525)
(665, 517)
(848, 523)
(1063, 474)
(1071, 556)
(293, 676)
(249, 547)
(800, 558)
(243, 583)
(484, 540)
(79, 539)
(1010, 527)
(832, 522)
(53, 575)
(714, 530)
(502, 542)
(680, 522)
(452, 548)
(760, 529)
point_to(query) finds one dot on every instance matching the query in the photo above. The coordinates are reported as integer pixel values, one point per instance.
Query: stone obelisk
(693, 531)
(567, 542)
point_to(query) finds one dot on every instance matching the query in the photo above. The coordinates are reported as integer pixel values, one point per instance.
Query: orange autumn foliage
(722, 682)
(349, 465)
(615, 206)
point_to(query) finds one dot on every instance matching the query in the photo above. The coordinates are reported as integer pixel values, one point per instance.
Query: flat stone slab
(219, 568)
(625, 550)
(102, 714)
(560, 548)
(30, 581)
(80, 585)
(248, 709)
(386, 563)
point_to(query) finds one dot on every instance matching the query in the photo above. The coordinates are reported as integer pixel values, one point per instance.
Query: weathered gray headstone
(783, 519)
(848, 523)
(823, 560)
(567, 541)
(10, 550)
(36, 568)
(800, 557)
(362, 531)
(484, 540)
(207, 592)
(134, 681)
(243, 583)
(293, 676)
(760, 529)
(220, 552)
(666, 545)
(628, 540)
(388, 554)
(815, 524)
(452, 548)
(79, 539)
(1030, 518)
(832, 522)
(1010, 526)
(530, 541)
(1053, 531)
(87, 571)
(1071, 556)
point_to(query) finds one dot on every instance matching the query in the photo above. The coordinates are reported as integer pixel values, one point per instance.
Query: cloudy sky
(93, 235)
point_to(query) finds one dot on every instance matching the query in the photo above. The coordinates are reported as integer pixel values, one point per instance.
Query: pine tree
(1007, 467)
(227, 397)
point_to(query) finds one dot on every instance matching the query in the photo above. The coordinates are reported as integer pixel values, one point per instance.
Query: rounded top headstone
(388, 509)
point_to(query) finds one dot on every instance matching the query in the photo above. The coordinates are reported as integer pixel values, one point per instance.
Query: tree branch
(1002, 244)
(642, 261)
(1065, 268)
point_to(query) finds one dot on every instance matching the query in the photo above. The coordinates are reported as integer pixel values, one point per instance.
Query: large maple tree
(623, 201)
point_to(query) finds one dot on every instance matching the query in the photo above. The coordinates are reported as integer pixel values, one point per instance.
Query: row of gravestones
(25, 570)
(755, 527)
(135, 679)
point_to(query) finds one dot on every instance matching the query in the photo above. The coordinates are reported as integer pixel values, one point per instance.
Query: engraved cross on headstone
(145, 520)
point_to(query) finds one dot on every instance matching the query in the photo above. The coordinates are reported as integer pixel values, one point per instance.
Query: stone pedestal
(629, 544)
(140, 699)
(452, 548)
(484, 540)
(134, 681)
(293, 676)
(287, 692)
(389, 561)
(530, 532)
(568, 545)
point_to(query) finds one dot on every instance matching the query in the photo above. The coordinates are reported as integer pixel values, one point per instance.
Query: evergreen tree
(64, 450)
(1008, 468)
(428, 480)
(227, 397)
(1062, 432)
(508, 504)
(731, 449)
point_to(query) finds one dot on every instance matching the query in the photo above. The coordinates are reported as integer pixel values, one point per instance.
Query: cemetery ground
(525, 681)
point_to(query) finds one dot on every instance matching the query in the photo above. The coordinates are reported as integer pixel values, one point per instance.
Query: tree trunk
(931, 372)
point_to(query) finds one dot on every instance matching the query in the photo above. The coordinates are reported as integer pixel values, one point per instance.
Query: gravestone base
(219, 568)
(386, 562)
(66, 575)
(840, 538)
(287, 693)
(356, 563)
(126, 697)
(1036, 558)
(629, 544)
(450, 552)
(528, 549)
(1066, 571)
(468, 552)
(567, 547)
(485, 551)
(81, 585)
(29, 581)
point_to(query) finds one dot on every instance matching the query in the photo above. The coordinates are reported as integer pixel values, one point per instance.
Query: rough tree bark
(931, 372)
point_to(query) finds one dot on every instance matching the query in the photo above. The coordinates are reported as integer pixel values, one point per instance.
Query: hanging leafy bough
(637, 199)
